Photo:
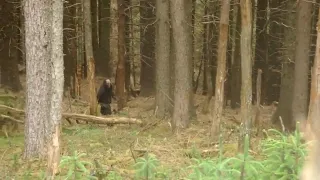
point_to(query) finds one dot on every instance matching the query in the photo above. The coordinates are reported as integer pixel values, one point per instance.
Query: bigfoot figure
(104, 96)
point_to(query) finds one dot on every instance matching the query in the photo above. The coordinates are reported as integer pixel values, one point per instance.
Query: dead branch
(11, 118)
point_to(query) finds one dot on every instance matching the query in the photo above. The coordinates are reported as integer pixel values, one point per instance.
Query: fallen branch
(83, 117)
(10, 109)
(11, 118)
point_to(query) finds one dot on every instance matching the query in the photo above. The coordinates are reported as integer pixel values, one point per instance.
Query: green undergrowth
(91, 152)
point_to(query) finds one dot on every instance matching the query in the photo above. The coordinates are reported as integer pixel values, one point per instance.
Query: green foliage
(284, 155)
(146, 166)
(283, 159)
(280, 156)
(76, 167)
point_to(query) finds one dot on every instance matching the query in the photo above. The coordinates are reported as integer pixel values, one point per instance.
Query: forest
(159, 89)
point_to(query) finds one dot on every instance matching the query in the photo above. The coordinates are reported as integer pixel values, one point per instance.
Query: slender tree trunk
(94, 24)
(128, 55)
(246, 69)
(221, 70)
(147, 48)
(210, 70)
(300, 88)
(56, 92)
(261, 50)
(113, 34)
(121, 71)
(205, 53)
(80, 45)
(172, 64)
(104, 38)
(89, 56)
(235, 56)
(183, 65)
(162, 59)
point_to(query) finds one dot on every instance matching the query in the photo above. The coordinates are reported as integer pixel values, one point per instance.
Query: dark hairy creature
(104, 96)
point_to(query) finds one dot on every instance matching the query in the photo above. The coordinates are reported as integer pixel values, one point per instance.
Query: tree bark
(300, 88)
(261, 51)
(128, 55)
(120, 76)
(37, 29)
(89, 56)
(246, 69)
(221, 69)
(147, 47)
(56, 91)
(311, 167)
(235, 57)
(80, 47)
(162, 59)
(205, 53)
(113, 34)
(183, 65)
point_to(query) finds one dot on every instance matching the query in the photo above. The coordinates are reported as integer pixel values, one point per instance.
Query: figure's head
(108, 82)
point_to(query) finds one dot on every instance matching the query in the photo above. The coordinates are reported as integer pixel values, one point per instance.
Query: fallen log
(82, 117)
(102, 120)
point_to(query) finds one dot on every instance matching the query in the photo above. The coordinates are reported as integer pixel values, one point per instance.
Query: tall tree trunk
(89, 56)
(172, 64)
(246, 69)
(37, 30)
(163, 104)
(221, 70)
(104, 39)
(121, 71)
(210, 71)
(183, 65)
(300, 88)
(205, 52)
(128, 55)
(262, 46)
(147, 47)
(284, 109)
(311, 167)
(235, 56)
(94, 24)
(113, 34)
(193, 14)
(80, 44)
(69, 47)
(56, 91)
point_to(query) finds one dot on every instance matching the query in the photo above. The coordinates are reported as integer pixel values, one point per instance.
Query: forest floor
(120, 145)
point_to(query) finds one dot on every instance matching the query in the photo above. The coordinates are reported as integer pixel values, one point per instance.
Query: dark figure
(104, 96)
